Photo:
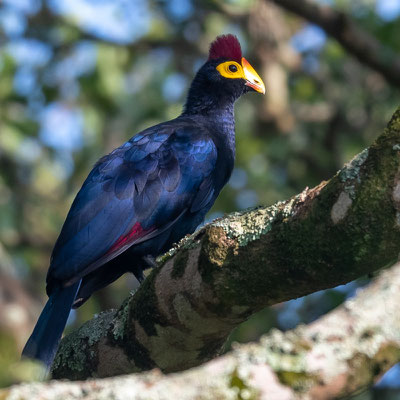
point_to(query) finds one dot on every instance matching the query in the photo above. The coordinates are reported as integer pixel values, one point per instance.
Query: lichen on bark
(318, 361)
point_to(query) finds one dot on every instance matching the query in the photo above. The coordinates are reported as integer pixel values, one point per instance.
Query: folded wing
(134, 194)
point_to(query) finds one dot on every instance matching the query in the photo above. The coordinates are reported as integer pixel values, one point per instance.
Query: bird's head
(225, 76)
(231, 68)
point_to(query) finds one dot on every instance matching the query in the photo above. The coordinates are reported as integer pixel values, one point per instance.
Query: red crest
(226, 46)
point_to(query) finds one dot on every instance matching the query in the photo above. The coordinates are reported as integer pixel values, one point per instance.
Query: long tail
(43, 343)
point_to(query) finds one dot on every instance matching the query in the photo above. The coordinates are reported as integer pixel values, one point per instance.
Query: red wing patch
(135, 233)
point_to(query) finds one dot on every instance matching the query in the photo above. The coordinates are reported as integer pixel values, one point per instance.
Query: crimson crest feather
(226, 46)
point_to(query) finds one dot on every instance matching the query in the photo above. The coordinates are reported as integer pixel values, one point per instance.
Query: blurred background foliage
(80, 77)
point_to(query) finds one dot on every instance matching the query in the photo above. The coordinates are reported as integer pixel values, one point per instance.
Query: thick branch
(342, 352)
(366, 48)
(184, 311)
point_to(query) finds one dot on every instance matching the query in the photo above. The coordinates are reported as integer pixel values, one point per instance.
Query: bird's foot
(150, 261)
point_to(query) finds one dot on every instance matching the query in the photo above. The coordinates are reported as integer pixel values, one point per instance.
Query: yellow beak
(252, 78)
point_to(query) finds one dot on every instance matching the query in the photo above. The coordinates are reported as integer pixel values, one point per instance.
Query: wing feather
(149, 182)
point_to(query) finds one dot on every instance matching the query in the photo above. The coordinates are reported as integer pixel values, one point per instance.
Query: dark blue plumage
(43, 343)
(140, 199)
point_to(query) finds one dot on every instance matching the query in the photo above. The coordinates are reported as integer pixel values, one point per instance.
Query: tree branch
(183, 312)
(365, 47)
(337, 355)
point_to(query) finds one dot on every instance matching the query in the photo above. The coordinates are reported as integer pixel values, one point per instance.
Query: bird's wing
(135, 193)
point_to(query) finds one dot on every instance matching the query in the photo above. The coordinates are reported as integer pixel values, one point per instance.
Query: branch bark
(365, 47)
(185, 309)
(341, 353)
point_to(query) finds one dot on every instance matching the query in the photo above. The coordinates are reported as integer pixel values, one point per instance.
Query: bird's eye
(233, 68)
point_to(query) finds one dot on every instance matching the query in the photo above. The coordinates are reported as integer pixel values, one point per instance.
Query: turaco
(146, 194)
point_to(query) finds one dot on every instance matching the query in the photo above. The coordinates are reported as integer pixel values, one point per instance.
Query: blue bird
(146, 194)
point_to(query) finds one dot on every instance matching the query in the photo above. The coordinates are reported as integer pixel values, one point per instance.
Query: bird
(146, 194)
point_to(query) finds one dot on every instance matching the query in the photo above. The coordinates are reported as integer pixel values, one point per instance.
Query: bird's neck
(216, 109)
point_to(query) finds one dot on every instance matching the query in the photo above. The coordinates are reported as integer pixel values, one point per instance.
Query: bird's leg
(139, 277)
(149, 261)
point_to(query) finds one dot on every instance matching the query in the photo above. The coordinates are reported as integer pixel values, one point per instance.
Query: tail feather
(43, 343)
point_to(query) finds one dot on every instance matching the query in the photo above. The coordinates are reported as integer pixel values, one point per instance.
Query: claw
(150, 261)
